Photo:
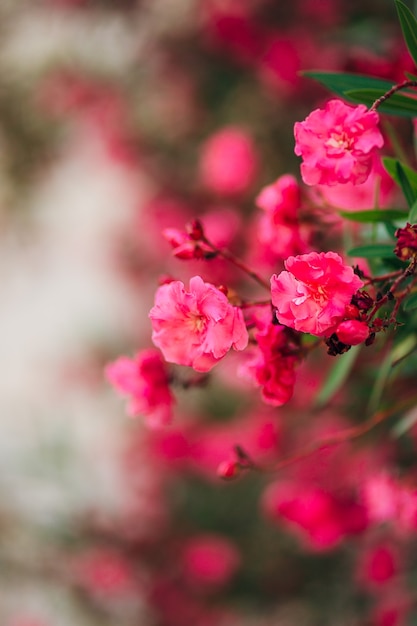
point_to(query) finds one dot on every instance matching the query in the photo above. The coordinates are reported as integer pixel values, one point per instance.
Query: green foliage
(409, 28)
(360, 89)
(373, 251)
(374, 216)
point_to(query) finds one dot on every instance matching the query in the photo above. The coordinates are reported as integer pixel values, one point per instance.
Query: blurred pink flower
(377, 190)
(378, 565)
(270, 367)
(228, 161)
(145, 381)
(312, 294)
(104, 572)
(196, 327)
(317, 516)
(277, 230)
(210, 560)
(337, 144)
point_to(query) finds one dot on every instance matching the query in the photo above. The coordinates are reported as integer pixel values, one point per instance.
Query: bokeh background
(107, 108)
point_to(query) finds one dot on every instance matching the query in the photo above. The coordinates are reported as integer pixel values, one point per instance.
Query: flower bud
(228, 470)
(352, 332)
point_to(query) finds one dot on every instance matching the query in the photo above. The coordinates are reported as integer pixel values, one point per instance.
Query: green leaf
(391, 229)
(412, 216)
(409, 27)
(337, 376)
(374, 215)
(378, 250)
(397, 104)
(358, 88)
(404, 176)
(403, 181)
(405, 423)
(339, 83)
(410, 302)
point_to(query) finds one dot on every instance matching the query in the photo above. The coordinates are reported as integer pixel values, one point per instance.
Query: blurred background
(119, 118)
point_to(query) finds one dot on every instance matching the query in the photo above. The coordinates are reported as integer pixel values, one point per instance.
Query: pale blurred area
(62, 299)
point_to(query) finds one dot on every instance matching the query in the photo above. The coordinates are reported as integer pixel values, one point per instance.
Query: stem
(409, 271)
(229, 256)
(348, 434)
(392, 91)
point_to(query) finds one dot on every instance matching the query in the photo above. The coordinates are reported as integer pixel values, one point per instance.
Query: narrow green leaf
(401, 176)
(391, 229)
(374, 215)
(412, 216)
(410, 302)
(378, 250)
(337, 376)
(339, 83)
(382, 374)
(390, 165)
(409, 27)
(398, 104)
(405, 423)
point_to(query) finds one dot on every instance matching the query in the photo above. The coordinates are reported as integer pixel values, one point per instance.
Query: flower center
(319, 294)
(340, 140)
(197, 322)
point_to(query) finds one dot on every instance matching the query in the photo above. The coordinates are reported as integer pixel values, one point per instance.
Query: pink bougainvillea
(145, 381)
(311, 295)
(196, 327)
(337, 144)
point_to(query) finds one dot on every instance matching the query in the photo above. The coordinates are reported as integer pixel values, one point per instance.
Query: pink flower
(312, 294)
(196, 327)
(337, 144)
(270, 368)
(278, 230)
(145, 380)
(320, 518)
(210, 560)
(228, 162)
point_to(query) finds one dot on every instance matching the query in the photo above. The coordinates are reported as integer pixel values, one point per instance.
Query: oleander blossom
(337, 144)
(145, 381)
(196, 327)
(311, 294)
(272, 366)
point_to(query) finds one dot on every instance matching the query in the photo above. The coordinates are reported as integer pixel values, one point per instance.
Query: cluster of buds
(189, 243)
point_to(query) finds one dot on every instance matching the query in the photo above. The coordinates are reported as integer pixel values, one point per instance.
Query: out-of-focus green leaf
(407, 189)
(406, 178)
(409, 27)
(337, 376)
(390, 165)
(372, 251)
(410, 302)
(391, 229)
(412, 216)
(374, 215)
